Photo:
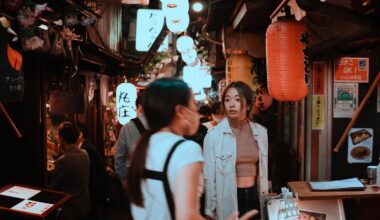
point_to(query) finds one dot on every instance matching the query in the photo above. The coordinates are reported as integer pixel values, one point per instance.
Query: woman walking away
(165, 176)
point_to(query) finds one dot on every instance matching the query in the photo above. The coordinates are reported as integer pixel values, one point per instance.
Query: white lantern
(185, 44)
(177, 23)
(175, 6)
(126, 95)
(190, 58)
(206, 76)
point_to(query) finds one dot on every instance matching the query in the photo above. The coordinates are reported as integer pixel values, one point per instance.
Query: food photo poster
(360, 145)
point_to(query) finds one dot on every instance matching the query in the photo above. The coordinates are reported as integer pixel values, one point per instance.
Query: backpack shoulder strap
(139, 125)
(163, 176)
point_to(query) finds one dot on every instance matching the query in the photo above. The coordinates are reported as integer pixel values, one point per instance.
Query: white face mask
(216, 119)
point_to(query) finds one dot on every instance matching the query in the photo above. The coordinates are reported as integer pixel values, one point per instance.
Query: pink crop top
(247, 152)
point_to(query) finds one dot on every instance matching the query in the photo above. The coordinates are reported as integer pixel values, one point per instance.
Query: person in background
(71, 174)
(236, 160)
(97, 179)
(128, 136)
(216, 115)
(205, 113)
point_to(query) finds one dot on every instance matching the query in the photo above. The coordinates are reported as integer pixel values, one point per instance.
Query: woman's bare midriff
(245, 181)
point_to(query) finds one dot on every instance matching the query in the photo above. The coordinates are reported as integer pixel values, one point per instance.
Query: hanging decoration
(11, 74)
(175, 6)
(126, 95)
(177, 22)
(190, 58)
(239, 67)
(185, 44)
(176, 13)
(285, 60)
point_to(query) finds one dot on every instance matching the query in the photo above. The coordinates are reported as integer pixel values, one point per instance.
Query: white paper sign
(20, 192)
(149, 25)
(32, 206)
(126, 95)
(360, 145)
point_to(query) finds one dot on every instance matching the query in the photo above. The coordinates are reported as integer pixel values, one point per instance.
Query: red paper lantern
(285, 60)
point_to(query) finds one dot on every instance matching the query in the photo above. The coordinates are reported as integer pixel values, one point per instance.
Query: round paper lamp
(175, 6)
(185, 44)
(190, 58)
(177, 23)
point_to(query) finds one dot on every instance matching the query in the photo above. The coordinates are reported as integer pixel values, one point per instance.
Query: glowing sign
(149, 25)
(126, 95)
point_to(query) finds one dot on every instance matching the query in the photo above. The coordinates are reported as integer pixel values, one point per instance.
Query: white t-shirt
(155, 204)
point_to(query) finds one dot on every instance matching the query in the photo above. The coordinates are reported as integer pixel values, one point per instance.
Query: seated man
(71, 173)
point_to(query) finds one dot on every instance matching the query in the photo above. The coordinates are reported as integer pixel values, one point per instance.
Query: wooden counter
(302, 191)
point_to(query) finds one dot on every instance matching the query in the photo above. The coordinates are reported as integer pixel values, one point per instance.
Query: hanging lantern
(239, 67)
(185, 44)
(190, 58)
(126, 95)
(285, 60)
(175, 6)
(177, 23)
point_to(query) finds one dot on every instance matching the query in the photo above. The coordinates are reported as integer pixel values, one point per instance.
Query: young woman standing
(236, 157)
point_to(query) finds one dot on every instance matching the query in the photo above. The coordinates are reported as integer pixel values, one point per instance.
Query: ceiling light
(197, 7)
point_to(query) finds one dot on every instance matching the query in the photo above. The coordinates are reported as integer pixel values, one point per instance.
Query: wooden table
(302, 191)
(17, 202)
(364, 204)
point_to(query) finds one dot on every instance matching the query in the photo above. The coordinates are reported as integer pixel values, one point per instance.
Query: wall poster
(351, 69)
(360, 145)
(345, 99)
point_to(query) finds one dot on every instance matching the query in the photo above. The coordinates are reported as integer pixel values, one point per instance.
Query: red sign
(351, 69)
(318, 78)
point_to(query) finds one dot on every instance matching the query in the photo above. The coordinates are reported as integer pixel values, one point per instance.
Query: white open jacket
(219, 168)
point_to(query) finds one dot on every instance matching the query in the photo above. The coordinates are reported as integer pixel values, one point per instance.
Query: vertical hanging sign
(318, 78)
(318, 116)
(126, 95)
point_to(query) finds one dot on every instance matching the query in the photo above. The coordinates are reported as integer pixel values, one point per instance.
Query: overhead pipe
(327, 9)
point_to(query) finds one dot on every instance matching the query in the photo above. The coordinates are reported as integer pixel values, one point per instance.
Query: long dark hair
(245, 92)
(158, 102)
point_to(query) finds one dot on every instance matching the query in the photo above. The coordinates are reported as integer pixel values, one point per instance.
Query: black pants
(248, 199)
